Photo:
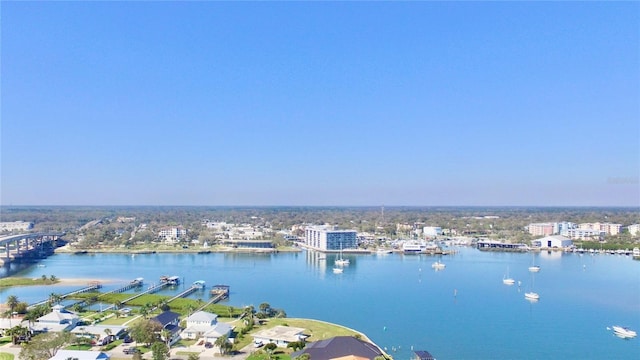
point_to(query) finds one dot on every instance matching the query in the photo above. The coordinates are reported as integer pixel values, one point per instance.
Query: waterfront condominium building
(634, 229)
(541, 229)
(329, 238)
(607, 228)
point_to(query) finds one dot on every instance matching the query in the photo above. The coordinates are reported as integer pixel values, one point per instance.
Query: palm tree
(231, 310)
(166, 336)
(222, 343)
(12, 302)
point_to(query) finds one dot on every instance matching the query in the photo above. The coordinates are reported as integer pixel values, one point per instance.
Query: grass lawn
(262, 355)
(79, 347)
(318, 330)
(6, 356)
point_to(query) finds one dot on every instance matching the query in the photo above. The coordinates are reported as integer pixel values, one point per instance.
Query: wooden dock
(92, 287)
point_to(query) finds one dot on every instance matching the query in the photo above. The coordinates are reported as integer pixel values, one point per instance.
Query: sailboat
(340, 261)
(534, 267)
(532, 295)
(508, 280)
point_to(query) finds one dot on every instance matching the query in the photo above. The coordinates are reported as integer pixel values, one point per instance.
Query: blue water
(401, 303)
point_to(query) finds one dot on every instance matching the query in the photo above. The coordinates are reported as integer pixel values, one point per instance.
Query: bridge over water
(20, 245)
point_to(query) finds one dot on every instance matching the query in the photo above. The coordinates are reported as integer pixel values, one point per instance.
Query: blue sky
(320, 103)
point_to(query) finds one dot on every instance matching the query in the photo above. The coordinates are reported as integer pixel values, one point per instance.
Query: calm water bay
(401, 303)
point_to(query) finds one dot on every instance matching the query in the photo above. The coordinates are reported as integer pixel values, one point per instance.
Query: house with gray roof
(205, 324)
(347, 347)
(80, 355)
(59, 319)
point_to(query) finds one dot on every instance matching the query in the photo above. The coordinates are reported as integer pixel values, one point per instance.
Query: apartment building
(329, 238)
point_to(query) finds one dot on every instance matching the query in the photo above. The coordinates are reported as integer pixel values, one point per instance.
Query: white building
(15, 225)
(330, 238)
(583, 234)
(634, 229)
(279, 335)
(204, 324)
(58, 319)
(432, 230)
(172, 234)
(553, 241)
(607, 228)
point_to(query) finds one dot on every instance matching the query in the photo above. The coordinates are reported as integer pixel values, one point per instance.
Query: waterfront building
(169, 321)
(279, 335)
(15, 226)
(541, 229)
(634, 229)
(553, 241)
(172, 234)
(583, 234)
(59, 319)
(205, 324)
(340, 347)
(329, 238)
(606, 228)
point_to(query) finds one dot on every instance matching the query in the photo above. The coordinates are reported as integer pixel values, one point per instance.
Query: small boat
(624, 332)
(534, 268)
(337, 270)
(531, 295)
(383, 251)
(340, 261)
(438, 265)
(507, 280)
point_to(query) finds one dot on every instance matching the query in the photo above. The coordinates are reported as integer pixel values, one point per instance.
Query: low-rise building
(340, 347)
(59, 319)
(80, 355)
(280, 335)
(205, 325)
(553, 241)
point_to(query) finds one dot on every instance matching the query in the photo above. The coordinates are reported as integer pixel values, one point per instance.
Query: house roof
(218, 330)
(423, 355)
(58, 315)
(80, 355)
(280, 333)
(166, 317)
(202, 316)
(339, 347)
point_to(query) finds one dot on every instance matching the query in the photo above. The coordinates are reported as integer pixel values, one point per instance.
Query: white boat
(636, 253)
(531, 295)
(340, 261)
(624, 332)
(438, 265)
(533, 267)
(507, 280)
(383, 251)
(337, 270)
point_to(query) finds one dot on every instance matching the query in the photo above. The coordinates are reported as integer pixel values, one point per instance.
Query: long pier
(92, 287)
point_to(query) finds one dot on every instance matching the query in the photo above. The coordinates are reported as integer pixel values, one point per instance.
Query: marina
(463, 298)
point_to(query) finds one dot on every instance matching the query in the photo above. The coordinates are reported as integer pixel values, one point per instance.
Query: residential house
(204, 324)
(279, 335)
(59, 319)
(340, 347)
(169, 321)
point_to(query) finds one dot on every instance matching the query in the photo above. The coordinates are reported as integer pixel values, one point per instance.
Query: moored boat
(534, 268)
(337, 270)
(531, 295)
(438, 265)
(624, 332)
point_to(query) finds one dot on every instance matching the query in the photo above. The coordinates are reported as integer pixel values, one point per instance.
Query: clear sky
(320, 103)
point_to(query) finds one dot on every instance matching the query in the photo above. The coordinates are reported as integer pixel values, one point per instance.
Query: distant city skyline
(320, 103)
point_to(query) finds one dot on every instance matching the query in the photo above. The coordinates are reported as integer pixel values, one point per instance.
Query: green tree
(12, 303)
(304, 356)
(265, 308)
(193, 356)
(159, 351)
(165, 335)
(45, 346)
(17, 332)
(145, 331)
(270, 348)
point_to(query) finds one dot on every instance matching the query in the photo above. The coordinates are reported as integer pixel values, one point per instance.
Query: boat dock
(92, 287)
(132, 285)
(219, 292)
